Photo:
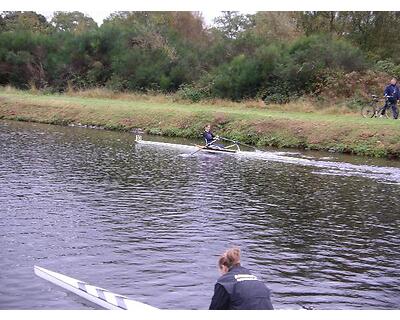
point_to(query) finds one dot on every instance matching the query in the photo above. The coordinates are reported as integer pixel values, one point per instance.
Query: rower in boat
(237, 288)
(210, 138)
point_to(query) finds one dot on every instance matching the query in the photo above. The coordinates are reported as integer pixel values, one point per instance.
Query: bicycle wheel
(368, 111)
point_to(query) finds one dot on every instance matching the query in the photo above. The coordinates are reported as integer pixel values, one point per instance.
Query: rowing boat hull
(164, 144)
(97, 295)
(182, 146)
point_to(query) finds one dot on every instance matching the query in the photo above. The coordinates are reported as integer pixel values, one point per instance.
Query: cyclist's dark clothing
(393, 106)
(392, 93)
(238, 289)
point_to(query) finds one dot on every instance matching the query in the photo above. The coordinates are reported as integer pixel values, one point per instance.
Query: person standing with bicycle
(392, 94)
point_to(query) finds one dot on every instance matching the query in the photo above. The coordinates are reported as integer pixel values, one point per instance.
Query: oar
(208, 144)
(237, 142)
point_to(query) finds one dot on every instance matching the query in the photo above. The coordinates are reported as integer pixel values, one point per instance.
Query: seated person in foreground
(237, 288)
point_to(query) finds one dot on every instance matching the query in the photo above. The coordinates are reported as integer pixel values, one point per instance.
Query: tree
(24, 21)
(275, 25)
(232, 23)
(189, 26)
(374, 31)
(76, 22)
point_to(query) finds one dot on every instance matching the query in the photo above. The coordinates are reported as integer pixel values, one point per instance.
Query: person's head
(207, 128)
(393, 81)
(230, 258)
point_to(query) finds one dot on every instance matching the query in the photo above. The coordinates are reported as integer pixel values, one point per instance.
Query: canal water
(149, 221)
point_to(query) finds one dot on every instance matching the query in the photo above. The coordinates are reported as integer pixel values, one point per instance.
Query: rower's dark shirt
(220, 299)
(208, 136)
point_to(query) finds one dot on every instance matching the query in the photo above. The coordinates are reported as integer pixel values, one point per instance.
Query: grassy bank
(249, 123)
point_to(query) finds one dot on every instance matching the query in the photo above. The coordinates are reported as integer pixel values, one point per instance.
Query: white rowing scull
(97, 295)
(234, 148)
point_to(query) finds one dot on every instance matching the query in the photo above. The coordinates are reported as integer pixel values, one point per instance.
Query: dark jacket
(392, 91)
(208, 136)
(238, 289)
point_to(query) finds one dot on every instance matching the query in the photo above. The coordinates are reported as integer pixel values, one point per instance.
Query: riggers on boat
(97, 295)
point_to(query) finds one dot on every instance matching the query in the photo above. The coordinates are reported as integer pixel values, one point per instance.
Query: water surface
(148, 222)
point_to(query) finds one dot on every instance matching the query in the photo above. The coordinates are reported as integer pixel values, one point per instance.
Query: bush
(324, 51)
(279, 93)
(336, 85)
(193, 93)
(237, 80)
(279, 73)
(389, 67)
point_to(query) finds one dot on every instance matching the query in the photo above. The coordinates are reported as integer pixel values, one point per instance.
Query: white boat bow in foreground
(97, 295)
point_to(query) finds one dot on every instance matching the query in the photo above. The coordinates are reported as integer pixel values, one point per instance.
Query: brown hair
(230, 258)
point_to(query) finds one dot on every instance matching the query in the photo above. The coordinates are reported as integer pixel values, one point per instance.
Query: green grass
(348, 133)
(123, 107)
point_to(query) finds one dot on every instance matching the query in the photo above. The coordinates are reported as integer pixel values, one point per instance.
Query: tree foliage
(24, 21)
(375, 32)
(232, 23)
(276, 56)
(75, 22)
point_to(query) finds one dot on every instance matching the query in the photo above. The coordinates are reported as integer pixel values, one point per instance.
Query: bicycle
(372, 110)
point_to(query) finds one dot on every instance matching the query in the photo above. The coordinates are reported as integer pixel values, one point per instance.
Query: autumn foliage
(274, 56)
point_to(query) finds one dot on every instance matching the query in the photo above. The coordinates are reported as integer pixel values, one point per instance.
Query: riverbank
(254, 125)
